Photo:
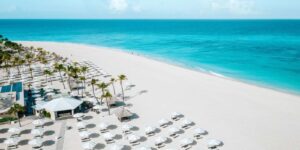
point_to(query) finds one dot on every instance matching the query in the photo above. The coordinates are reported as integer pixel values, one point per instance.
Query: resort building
(10, 94)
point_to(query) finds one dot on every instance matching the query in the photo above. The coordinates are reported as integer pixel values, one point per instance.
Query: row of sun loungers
(37, 132)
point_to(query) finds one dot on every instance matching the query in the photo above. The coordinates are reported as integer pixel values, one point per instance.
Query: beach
(243, 116)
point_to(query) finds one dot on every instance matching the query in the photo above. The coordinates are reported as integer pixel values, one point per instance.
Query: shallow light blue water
(265, 52)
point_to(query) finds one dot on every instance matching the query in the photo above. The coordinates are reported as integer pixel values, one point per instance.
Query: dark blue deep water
(264, 52)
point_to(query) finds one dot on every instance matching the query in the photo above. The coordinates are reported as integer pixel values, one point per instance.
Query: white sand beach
(243, 116)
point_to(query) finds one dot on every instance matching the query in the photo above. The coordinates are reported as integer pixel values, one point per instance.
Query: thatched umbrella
(122, 113)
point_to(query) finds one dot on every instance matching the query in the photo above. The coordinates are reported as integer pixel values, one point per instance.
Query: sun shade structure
(150, 130)
(78, 115)
(88, 145)
(37, 142)
(160, 140)
(11, 141)
(84, 134)
(175, 115)
(198, 132)
(38, 122)
(108, 136)
(133, 138)
(14, 130)
(126, 127)
(213, 143)
(116, 147)
(144, 148)
(81, 125)
(174, 130)
(37, 132)
(61, 107)
(163, 122)
(186, 142)
(123, 114)
(112, 101)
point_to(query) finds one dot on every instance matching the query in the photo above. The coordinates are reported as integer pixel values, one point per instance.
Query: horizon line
(149, 18)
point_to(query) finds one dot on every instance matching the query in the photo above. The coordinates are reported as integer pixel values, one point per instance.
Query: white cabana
(78, 115)
(117, 147)
(126, 128)
(11, 141)
(38, 122)
(61, 107)
(132, 138)
(186, 142)
(144, 148)
(103, 126)
(14, 130)
(36, 143)
(150, 130)
(160, 140)
(37, 132)
(84, 135)
(213, 143)
(88, 145)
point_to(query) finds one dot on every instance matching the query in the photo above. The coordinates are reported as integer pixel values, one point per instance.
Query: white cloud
(118, 5)
(241, 7)
(136, 8)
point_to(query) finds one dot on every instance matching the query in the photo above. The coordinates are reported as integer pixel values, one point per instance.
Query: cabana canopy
(122, 113)
(61, 104)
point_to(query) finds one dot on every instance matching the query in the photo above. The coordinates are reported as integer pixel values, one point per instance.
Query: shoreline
(181, 65)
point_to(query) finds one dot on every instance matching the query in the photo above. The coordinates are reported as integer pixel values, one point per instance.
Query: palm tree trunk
(30, 69)
(50, 79)
(122, 91)
(95, 94)
(82, 90)
(101, 96)
(108, 107)
(69, 82)
(6, 68)
(114, 88)
(77, 87)
(62, 80)
(18, 119)
(19, 72)
(84, 85)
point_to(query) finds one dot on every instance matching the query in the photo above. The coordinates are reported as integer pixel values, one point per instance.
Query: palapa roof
(112, 101)
(122, 112)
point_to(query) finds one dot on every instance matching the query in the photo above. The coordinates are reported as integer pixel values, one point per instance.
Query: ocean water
(263, 52)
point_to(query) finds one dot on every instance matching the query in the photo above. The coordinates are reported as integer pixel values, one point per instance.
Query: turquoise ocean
(261, 52)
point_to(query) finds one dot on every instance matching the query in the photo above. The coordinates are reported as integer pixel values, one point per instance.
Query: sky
(149, 9)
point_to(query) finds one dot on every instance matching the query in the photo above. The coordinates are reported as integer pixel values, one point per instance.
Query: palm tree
(112, 81)
(75, 75)
(47, 73)
(29, 58)
(107, 97)
(6, 57)
(15, 110)
(93, 83)
(17, 61)
(84, 69)
(103, 87)
(68, 71)
(82, 79)
(121, 79)
(60, 67)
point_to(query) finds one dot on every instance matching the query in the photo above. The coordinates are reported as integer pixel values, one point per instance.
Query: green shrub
(46, 114)
(5, 119)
